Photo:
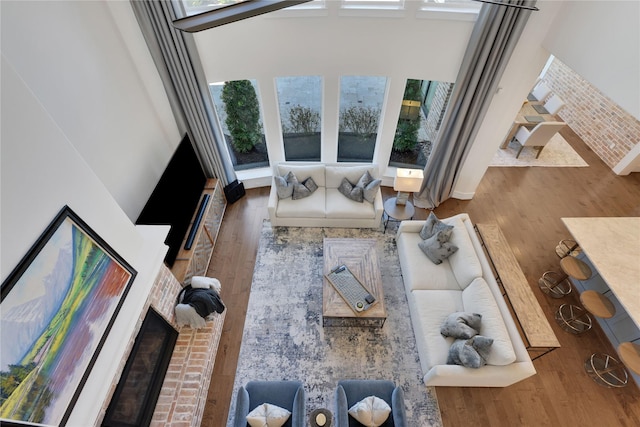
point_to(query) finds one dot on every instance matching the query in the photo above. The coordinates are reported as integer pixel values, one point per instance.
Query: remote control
(338, 269)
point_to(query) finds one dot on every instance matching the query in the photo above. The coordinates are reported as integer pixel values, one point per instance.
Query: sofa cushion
(268, 415)
(369, 185)
(477, 298)
(350, 192)
(302, 172)
(284, 185)
(461, 325)
(338, 206)
(304, 189)
(371, 190)
(464, 262)
(310, 184)
(432, 226)
(470, 353)
(430, 309)
(437, 247)
(370, 411)
(309, 207)
(334, 174)
(417, 271)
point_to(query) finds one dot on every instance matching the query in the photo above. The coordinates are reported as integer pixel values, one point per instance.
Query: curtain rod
(499, 3)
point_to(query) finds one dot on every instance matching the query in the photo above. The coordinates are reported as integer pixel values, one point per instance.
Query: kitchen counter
(612, 244)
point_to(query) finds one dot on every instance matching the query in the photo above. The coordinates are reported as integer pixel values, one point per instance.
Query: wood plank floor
(527, 203)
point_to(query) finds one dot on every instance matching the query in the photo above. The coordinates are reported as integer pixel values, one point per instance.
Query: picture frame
(56, 309)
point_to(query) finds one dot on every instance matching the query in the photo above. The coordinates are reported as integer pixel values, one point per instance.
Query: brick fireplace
(186, 384)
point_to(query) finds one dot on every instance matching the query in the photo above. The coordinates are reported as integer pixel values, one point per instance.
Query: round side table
(396, 212)
(321, 418)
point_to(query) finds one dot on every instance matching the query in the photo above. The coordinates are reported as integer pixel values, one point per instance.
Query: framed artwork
(56, 309)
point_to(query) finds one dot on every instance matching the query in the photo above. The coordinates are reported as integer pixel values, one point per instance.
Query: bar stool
(630, 355)
(603, 368)
(567, 247)
(597, 304)
(573, 319)
(557, 285)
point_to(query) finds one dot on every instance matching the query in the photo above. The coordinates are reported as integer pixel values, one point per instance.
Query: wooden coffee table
(359, 255)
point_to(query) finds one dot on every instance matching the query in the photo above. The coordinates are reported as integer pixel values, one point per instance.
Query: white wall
(41, 171)
(600, 40)
(84, 124)
(104, 93)
(332, 45)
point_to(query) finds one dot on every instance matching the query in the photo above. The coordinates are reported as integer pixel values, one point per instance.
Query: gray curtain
(492, 41)
(176, 57)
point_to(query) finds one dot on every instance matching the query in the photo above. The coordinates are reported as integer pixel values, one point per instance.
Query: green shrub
(243, 115)
(406, 137)
(362, 121)
(412, 90)
(303, 120)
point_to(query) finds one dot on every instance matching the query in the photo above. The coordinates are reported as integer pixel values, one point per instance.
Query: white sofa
(461, 283)
(326, 207)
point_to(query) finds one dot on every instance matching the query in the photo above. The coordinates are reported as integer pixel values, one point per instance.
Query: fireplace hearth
(136, 394)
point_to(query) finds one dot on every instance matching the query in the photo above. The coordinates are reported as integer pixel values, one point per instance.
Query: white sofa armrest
(272, 205)
(487, 376)
(410, 226)
(378, 206)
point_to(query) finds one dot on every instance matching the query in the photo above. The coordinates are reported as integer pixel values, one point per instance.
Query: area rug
(557, 153)
(283, 337)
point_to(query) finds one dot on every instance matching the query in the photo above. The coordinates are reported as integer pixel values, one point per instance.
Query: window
(300, 103)
(199, 15)
(372, 4)
(423, 106)
(361, 99)
(194, 7)
(242, 127)
(451, 5)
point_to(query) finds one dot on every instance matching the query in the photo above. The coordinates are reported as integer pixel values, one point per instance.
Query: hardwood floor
(527, 203)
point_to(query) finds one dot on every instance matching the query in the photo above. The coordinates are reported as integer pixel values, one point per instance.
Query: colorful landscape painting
(54, 320)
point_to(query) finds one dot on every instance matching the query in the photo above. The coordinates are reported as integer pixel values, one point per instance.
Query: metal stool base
(573, 319)
(606, 370)
(554, 284)
(567, 247)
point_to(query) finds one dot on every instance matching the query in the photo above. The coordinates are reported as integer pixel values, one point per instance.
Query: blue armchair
(350, 392)
(285, 394)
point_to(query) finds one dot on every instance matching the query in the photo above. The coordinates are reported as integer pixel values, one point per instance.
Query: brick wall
(598, 120)
(186, 384)
(438, 106)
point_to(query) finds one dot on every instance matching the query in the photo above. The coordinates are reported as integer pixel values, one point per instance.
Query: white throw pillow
(370, 411)
(268, 415)
(203, 282)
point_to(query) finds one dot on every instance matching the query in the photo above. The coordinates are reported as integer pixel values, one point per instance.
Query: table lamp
(407, 181)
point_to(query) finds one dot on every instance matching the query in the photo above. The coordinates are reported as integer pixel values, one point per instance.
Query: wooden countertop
(613, 247)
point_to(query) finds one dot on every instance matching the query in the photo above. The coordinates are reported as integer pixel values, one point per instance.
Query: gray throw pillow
(461, 325)
(471, 353)
(432, 225)
(369, 186)
(438, 248)
(284, 186)
(364, 180)
(351, 192)
(310, 184)
(300, 191)
(371, 190)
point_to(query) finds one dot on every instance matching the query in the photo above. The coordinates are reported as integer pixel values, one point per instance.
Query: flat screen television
(176, 197)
